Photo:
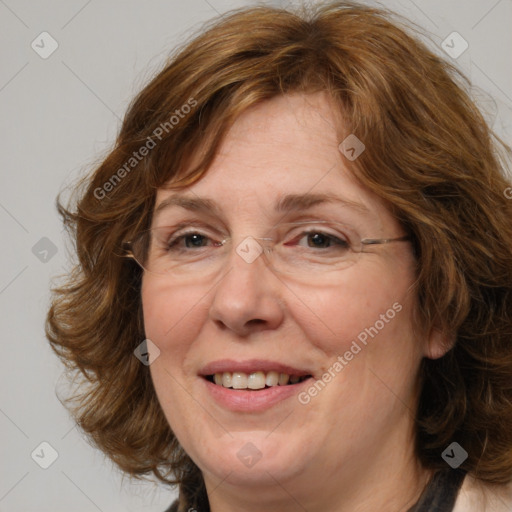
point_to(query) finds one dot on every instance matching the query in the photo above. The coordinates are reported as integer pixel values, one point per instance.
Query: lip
(250, 366)
(252, 400)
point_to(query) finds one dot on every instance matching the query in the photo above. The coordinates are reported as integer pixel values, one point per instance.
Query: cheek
(363, 307)
(172, 316)
(172, 320)
(362, 330)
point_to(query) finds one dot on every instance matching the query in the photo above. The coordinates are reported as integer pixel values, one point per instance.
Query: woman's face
(347, 332)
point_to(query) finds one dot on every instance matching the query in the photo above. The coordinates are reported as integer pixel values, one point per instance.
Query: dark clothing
(440, 494)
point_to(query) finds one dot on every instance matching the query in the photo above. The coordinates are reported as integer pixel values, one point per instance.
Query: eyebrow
(297, 202)
(195, 204)
(286, 204)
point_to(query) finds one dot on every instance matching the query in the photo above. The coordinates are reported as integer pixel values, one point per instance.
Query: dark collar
(439, 495)
(441, 492)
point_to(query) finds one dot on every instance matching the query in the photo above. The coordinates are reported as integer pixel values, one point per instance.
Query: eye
(191, 240)
(320, 240)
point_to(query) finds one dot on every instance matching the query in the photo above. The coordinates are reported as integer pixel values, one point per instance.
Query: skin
(351, 447)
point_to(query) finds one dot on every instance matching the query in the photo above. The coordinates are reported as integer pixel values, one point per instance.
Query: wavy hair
(429, 154)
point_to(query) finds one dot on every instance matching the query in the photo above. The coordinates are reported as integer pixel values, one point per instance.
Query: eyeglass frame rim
(365, 241)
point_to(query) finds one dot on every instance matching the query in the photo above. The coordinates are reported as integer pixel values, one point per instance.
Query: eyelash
(333, 239)
(176, 239)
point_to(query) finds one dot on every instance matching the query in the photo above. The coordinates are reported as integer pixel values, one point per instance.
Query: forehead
(287, 146)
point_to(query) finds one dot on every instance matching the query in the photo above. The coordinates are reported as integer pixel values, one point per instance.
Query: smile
(253, 385)
(254, 380)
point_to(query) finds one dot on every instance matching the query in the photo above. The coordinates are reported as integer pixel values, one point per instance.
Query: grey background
(59, 117)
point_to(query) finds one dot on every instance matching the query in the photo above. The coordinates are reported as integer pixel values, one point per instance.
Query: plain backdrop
(60, 116)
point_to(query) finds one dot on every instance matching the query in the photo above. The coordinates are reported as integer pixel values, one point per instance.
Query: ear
(438, 343)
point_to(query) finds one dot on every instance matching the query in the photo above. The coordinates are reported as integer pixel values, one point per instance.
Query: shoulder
(475, 496)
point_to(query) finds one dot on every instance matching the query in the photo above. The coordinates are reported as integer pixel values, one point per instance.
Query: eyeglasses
(308, 250)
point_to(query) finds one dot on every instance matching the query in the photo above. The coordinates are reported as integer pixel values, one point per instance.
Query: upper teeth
(255, 380)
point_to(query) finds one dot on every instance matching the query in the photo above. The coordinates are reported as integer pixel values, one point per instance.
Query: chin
(253, 459)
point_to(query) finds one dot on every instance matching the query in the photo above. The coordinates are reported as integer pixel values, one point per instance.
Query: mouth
(256, 380)
(253, 386)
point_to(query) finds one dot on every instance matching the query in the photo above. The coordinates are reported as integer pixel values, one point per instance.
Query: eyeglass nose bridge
(251, 248)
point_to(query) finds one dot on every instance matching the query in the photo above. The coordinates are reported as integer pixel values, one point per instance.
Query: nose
(248, 298)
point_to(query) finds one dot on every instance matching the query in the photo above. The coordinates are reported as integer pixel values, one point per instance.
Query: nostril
(256, 321)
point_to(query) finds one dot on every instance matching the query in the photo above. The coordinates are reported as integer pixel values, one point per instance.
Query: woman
(294, 286)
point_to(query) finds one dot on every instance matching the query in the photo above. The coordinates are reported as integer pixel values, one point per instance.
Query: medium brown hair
(429, 154)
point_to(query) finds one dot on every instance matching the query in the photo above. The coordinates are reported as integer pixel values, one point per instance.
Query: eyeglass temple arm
(377, 241)
(127, 249)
